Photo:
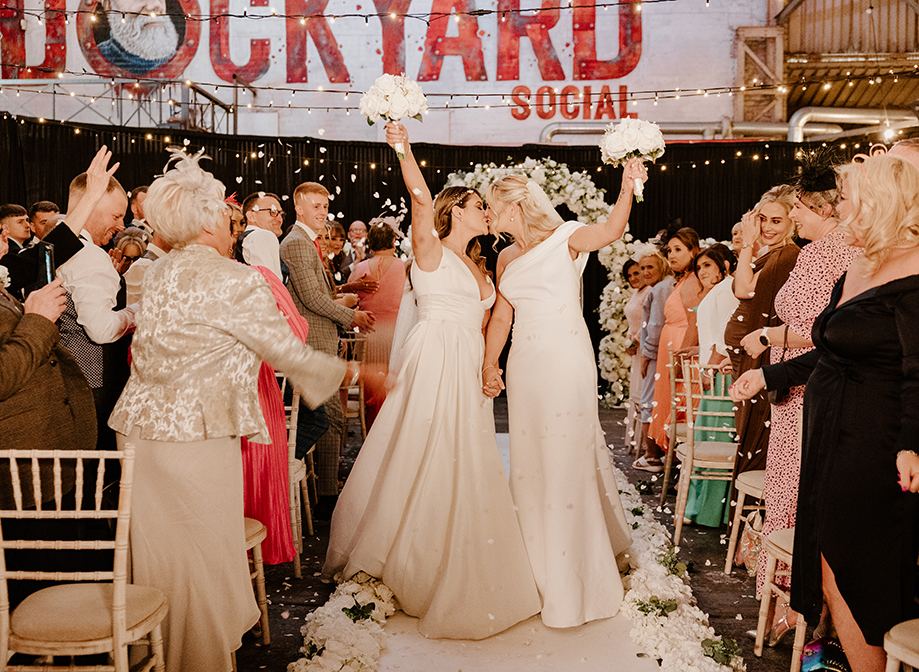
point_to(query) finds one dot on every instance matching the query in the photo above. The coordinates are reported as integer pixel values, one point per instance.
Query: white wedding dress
(561, 479)
(427, 507)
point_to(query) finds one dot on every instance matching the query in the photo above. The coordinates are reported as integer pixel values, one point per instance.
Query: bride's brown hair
(443, 220)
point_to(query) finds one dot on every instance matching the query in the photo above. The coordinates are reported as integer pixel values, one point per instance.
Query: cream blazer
(204, 326)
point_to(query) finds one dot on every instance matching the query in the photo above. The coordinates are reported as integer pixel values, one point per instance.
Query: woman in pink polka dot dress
(798, 303)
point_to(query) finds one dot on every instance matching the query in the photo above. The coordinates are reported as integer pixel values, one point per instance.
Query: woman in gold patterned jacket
(205, 325)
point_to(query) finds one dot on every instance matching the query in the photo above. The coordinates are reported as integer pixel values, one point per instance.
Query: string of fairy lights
(425, 17)
(287, 156)
(139, 88)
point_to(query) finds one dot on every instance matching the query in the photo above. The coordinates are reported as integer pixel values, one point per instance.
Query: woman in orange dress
(388, 273)
(682, 248)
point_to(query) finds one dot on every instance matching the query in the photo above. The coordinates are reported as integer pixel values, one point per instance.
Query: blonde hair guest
(861, 421)
(204, 327)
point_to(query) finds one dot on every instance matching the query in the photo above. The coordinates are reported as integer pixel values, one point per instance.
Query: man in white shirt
(96, 323)
(259, 242)
(134, 276)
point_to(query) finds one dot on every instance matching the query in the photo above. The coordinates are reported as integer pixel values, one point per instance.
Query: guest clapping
(756, 282)
(387, 273)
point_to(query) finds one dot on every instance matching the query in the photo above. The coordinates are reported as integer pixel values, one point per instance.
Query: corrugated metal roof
(849, 80)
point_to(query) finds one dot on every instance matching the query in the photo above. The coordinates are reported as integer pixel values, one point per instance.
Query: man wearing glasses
(259, 243)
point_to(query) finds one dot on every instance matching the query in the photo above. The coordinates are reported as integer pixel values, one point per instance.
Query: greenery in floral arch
(578, 191)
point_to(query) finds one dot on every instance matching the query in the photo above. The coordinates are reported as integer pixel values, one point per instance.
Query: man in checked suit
(314, 295)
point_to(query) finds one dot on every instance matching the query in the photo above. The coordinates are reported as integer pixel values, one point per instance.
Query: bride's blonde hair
(538, 224)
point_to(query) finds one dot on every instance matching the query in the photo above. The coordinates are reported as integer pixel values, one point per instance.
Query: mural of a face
(141, 35)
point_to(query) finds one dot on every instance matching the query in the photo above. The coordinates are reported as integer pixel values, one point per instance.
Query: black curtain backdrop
(709, 185)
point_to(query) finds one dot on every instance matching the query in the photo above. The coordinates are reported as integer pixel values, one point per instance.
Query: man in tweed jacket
(314, 295)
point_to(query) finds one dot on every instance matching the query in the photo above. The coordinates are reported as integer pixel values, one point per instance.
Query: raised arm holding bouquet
(632, 139)
(393, 97)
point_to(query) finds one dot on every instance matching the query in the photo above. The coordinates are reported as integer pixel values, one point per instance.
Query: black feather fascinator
(817, 171)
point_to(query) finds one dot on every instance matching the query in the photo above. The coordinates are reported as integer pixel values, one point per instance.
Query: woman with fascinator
(561, 479)
(427, 508)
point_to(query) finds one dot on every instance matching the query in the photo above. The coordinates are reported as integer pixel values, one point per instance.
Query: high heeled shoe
(779, 629)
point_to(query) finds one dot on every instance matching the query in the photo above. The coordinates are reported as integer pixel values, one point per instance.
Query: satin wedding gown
(427, 507)
(561, 479)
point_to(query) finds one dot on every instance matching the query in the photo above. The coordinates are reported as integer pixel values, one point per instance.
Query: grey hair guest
(205, 325)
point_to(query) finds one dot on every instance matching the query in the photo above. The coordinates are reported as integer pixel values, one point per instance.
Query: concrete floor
(729, 600)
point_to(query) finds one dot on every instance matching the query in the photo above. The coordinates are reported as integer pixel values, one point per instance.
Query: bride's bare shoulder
(508, 254)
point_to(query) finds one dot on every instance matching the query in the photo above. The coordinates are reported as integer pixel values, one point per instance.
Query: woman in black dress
(857, 533)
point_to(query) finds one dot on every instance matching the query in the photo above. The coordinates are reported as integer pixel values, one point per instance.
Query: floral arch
(578, 191)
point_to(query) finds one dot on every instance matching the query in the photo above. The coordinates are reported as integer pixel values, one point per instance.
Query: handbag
(824, 654)
(751, 542)
(777, 397)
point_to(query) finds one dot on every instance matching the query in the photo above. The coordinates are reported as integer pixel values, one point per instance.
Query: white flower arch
(578, 191)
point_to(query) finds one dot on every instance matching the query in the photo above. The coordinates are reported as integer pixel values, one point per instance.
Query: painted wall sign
(529, 63)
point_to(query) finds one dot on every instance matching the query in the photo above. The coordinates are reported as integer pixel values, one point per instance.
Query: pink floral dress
(798, 303)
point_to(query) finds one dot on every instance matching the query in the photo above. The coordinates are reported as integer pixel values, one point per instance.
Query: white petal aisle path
(658, 621)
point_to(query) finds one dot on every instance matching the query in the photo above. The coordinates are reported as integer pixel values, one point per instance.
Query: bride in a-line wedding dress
(427, 507)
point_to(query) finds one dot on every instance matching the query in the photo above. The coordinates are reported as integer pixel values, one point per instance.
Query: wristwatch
(764, 337)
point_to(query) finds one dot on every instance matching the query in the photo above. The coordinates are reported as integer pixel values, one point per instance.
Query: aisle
(594, 647)
(601, 645)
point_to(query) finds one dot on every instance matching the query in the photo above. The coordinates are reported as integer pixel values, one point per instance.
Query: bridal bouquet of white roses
(393, 97)
(629, 139)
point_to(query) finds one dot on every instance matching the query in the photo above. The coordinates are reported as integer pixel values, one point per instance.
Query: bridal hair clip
(542, 200)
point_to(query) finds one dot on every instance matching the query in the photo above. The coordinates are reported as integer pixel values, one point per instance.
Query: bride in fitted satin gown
(560, 472)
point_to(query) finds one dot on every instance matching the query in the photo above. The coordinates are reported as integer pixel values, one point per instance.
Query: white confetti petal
(322, 150)
(239, 180)
(321, 131)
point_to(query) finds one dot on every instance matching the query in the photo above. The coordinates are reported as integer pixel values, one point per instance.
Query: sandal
(653, 465)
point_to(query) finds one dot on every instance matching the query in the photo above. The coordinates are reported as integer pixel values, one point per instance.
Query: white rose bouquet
(632, 138)
(393, 97)
(4, 277)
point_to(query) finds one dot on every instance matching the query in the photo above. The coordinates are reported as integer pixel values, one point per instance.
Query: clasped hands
(492, 384)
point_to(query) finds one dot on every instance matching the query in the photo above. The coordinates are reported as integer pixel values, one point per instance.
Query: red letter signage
(512, 26)
(220, 47)
(318, 29)
(437, 45)
(393, 34)
(12, 40)
(586, 65)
